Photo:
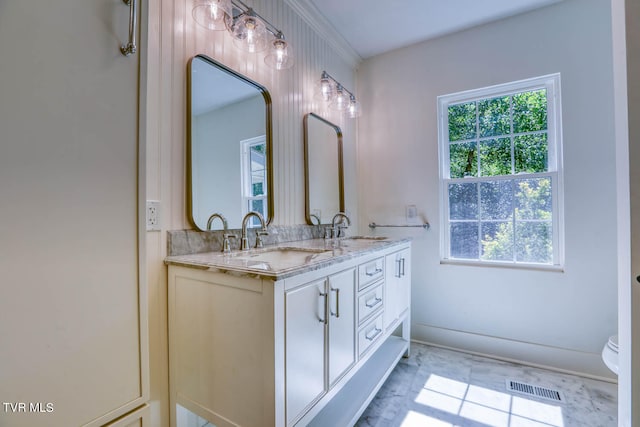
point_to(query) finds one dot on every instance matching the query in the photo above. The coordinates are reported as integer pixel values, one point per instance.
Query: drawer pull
(374, 272)
(373, 302)
(376, 332)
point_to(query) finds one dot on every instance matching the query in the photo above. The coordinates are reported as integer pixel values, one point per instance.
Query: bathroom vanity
(300, 333)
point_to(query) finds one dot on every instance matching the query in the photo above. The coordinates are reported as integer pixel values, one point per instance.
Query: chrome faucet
(225, 225)
(244, 241)
(226, 246)
(338, 229)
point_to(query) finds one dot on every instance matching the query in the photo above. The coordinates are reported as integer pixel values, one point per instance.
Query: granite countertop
(285, 259)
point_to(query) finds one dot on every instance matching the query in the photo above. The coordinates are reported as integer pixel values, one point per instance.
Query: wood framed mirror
(229, 145)
(324, 175)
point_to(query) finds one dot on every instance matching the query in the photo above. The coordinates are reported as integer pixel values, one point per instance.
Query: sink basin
(283, 255)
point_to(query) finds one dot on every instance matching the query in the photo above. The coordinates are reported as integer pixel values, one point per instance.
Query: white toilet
(610, 354)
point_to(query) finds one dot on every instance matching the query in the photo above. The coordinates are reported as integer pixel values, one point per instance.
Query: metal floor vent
(534, 390)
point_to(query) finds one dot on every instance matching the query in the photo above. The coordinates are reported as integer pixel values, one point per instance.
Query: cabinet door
(306, 317)
(403, 282)
(393, 265)
(342, 349)
(73, 320)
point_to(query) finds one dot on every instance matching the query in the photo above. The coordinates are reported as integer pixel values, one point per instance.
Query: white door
(69, 226)
(305, 324)
(342, 343)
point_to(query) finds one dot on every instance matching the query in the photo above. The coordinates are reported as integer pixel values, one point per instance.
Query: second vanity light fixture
(339, 98)
(251, 32)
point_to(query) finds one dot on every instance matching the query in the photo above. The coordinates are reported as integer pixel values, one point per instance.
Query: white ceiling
(372, 27)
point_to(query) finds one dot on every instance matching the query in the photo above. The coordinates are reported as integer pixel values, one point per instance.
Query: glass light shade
(250, 33)
(353, 110)
(340, 101)
(280, 56)
(212, 14)
(325, 89)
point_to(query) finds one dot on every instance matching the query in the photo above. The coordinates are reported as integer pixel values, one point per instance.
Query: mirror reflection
(324, 180)
(229, 146)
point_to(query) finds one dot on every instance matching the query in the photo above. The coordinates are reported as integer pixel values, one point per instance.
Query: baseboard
(588, 365)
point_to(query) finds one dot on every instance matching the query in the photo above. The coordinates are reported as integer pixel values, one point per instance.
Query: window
(501, 174)
(254, 177)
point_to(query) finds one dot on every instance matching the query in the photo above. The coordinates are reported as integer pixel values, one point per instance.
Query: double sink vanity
(298, 333)
(299, 330)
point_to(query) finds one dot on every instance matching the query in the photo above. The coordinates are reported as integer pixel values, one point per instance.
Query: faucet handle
(328, 233)
(259, 234)
(340, 230)
(226, 247)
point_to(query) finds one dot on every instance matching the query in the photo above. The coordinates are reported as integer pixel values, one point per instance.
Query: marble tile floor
(442, 388)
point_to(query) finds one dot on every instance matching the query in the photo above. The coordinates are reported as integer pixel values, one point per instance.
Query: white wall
(174, 38)
(557, 319)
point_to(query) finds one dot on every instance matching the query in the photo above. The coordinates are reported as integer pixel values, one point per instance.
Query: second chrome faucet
(244, 241)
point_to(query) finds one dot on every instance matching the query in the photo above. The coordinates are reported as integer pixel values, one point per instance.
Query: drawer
(370, 302)
(369, 334)
(370, 272)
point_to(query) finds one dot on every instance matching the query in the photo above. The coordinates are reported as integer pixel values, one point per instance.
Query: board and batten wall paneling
(291, 92)
(174, 38)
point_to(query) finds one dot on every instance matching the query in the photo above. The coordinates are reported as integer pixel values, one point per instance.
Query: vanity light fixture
(339, 98)
(250, 31)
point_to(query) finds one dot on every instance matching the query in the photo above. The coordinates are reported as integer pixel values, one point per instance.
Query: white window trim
(245, 168)
(554, 138)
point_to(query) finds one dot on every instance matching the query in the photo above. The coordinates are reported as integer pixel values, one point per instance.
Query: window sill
(494, 264)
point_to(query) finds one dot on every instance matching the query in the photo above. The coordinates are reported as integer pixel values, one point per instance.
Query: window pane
(497, 241)
(257, 189)
(496, 199)
(533, 199)
(257, 205)
(464, 240)
(463, 201)
(531, 153)
(494, 117)
(495, 157)
(462, 121)
(534, 242)
(463, 160)
(530, 111)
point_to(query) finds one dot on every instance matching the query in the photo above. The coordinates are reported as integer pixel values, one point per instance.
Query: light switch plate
(412, 213)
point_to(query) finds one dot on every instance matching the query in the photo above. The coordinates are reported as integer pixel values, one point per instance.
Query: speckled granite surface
(285, 259)
(183, 242)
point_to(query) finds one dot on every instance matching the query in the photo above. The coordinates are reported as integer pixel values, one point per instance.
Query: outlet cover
(153, 215)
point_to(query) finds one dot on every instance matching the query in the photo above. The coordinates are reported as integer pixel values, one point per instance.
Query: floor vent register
(534, 390)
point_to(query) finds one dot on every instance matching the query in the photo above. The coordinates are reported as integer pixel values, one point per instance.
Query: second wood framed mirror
(324, 175)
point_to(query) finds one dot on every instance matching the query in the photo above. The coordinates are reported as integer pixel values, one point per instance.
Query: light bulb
(324, 88)
(250, 33)
(280, 55)
(212, 14)
(353, 110)
(340, 100)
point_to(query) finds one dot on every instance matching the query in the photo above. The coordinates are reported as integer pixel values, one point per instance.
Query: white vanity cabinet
(397, 284)
(283, 350)
(319, 339)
